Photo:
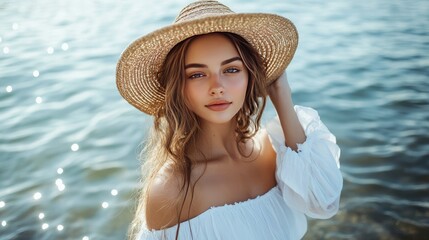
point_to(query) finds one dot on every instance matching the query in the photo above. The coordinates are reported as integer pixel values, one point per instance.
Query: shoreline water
(69, 143)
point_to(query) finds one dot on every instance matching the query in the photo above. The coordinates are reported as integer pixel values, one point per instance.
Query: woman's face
(216, 78)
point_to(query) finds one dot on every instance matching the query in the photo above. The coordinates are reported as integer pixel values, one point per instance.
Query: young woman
(211, 171)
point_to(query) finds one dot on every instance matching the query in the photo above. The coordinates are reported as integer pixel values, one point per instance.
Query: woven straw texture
(274, 37)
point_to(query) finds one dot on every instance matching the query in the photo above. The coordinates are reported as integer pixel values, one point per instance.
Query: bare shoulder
(163, 192)
(267, 149)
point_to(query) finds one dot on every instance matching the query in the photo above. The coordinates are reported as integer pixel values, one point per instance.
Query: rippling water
(69, 143)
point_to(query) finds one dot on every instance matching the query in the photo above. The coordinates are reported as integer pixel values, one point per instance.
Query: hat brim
(274, 37)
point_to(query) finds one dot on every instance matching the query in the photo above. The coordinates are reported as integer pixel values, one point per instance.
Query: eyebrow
(199, 65)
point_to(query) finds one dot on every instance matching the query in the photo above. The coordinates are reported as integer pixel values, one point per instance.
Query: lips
(218, 105)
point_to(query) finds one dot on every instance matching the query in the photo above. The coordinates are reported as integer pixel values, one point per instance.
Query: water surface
(69, 143)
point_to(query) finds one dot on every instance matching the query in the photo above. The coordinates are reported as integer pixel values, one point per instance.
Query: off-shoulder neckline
(219, 208)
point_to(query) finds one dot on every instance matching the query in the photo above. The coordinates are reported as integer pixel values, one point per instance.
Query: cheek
(190, 94)
(240, 86)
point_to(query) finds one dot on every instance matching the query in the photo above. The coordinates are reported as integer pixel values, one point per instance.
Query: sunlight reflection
(60, 171)
(105, 205)
(0, 39)
(114, 192)
(36, 73)
(85, 238)
(3, 223)
(58, 181)
(60, 184)
(74, 147)
(15, 26)
(61, 187)
(37, 196)
(41, 216)
(39, 100)
(60, 228)
(9, 89)
(45, 226)
(64, 46)
(2, 204)
(50, 50)
(6, 50)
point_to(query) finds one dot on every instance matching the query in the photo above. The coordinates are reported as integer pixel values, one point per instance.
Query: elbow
(324, 212)
(324, 206)
(331, 210)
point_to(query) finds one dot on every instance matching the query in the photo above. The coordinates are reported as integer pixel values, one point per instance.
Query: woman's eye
(232, 70)
(196, 75)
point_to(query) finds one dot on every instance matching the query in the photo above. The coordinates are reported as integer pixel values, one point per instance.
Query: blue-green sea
(69, 143)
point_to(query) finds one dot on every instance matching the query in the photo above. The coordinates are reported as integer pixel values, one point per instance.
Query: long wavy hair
(175, 127)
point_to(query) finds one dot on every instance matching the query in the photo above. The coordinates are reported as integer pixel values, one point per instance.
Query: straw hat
(274, 37)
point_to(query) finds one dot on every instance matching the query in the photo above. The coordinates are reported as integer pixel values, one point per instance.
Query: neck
(217, 141)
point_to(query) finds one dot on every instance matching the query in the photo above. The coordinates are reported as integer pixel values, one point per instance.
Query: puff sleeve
(309, 179)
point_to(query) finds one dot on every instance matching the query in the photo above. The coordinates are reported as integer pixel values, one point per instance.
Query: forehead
(210, 47)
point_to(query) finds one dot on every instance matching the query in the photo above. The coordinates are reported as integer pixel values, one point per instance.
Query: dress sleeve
(310, 179)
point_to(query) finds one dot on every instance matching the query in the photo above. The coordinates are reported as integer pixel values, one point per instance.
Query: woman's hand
(280, 86)
(281, 97)
(280, 92)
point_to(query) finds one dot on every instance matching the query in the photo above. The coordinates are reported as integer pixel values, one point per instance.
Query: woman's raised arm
(281, 97)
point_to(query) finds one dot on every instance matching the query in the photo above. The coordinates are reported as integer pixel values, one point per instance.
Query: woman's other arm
(281, 97)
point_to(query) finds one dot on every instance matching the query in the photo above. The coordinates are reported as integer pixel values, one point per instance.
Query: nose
(216, 91)
(216, 87)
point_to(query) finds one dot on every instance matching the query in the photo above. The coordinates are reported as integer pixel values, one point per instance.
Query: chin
(218, 118)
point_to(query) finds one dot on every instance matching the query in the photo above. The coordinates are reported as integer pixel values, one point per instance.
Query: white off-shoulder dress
(309, 182)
